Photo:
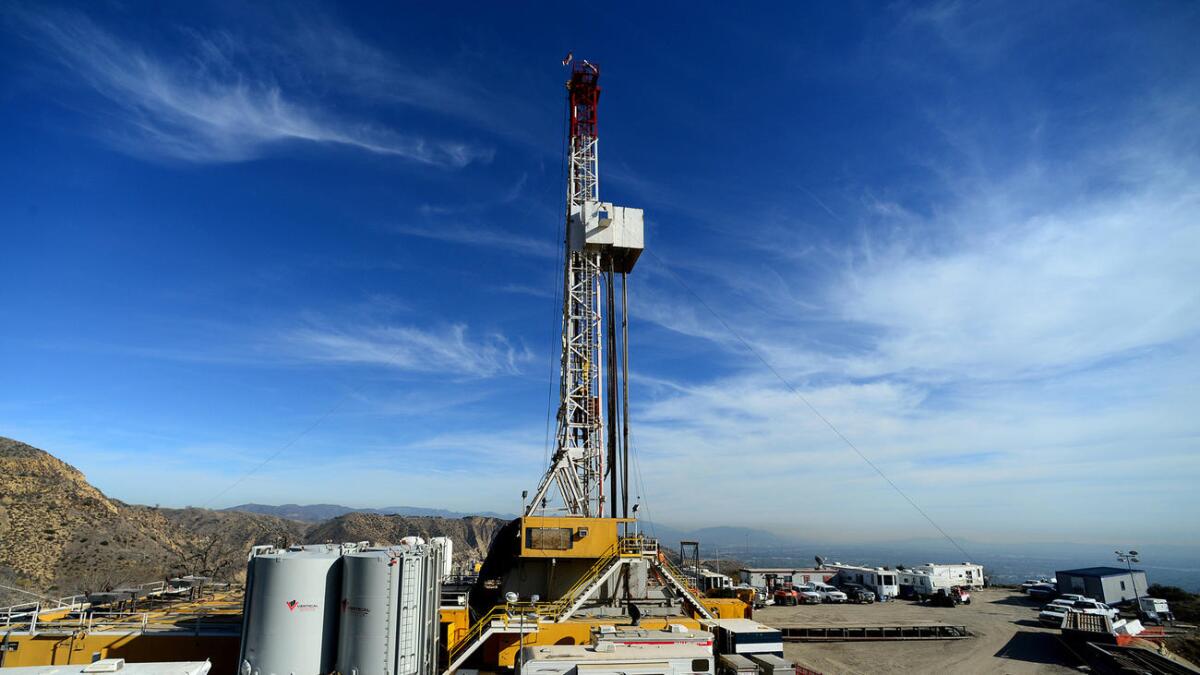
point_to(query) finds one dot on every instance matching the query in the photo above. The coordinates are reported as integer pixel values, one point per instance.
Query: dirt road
(1007, 638)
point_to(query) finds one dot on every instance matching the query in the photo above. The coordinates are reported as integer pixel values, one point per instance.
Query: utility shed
(744, 636)
(1110, 585)
(770, 577)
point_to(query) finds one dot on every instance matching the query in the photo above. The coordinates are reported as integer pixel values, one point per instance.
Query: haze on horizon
(968, 233)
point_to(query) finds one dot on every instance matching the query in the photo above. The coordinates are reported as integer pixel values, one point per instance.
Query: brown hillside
(60, 535)
(472, 535)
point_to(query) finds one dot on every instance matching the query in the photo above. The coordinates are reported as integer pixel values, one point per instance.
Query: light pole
(1130, 558)
(511, 598)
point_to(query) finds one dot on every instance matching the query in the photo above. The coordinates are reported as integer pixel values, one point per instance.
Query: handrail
(684, 581)
(76, 601)
(478, 629)
(624, 546)
(680, 577)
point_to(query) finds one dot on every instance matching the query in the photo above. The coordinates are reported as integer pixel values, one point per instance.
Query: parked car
(1093, 607)
(857, 593)
(828, 593)
(939, 598)
(1061, 602)
(955, 595)
(1075, 597)
(1042, 592)
(1052, 615)
(807, 596)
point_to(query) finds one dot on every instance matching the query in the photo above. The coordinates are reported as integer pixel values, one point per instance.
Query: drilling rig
(602, 242)
(566, 565)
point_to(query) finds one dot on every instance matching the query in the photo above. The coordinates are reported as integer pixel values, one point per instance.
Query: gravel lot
(1007, 637)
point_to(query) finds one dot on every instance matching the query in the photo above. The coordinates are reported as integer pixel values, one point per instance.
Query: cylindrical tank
(370, 609)
(447, 545)
(389, 620)
(290, 619)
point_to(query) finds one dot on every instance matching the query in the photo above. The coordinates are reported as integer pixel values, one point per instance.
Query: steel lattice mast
(597, 247)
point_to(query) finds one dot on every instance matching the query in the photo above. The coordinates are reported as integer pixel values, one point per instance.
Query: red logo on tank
(291, 605)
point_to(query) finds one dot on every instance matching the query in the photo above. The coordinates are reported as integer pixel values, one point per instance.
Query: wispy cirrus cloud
(450, 350)
(976, 456)
(481, 235)
(212, 102)
(1033, 326)
(1059, 289)
(1059, 263)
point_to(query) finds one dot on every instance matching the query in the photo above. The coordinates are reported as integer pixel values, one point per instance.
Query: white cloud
(1029, 341)
(978, 457)
(1062, 288)
(450, 350)
(210, 107)
(483, 236)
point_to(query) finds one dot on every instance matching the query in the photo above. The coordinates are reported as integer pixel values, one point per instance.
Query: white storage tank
(389, 618)
(447, 545)
(290, 617)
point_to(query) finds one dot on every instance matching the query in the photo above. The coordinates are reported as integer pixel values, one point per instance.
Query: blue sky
(968, 233)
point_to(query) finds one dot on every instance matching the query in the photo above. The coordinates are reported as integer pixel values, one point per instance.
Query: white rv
(882, 581)
(946, 575)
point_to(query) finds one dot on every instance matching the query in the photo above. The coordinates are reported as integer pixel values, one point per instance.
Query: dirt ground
(1007, 637)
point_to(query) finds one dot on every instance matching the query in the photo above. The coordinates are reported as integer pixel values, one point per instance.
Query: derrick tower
(572, 560)
(602, 242)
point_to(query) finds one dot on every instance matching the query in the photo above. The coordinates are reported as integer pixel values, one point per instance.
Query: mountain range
(711, 538)
(315, 513)
(60, 535)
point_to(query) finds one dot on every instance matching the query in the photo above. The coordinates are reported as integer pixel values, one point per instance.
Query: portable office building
(1110, 585)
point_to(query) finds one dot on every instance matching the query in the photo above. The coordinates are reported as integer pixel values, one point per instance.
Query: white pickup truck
(1094, 607)
(828, 593)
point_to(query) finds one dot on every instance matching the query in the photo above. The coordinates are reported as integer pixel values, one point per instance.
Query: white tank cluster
(350, 608)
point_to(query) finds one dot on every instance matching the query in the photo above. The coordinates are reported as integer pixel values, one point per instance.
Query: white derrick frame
(578, 463)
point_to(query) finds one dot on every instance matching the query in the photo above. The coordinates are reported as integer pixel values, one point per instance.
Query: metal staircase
(679, 581)
(587, 585)
(523, 617)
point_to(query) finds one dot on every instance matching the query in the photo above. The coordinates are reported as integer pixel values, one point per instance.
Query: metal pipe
(613, 468)
(625, 393)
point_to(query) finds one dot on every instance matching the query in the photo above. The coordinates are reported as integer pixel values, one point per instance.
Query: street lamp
(1129, 558)
(511, 598)
(533, 600)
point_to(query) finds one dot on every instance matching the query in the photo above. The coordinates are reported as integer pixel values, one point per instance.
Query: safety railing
(214, 615)
(680, 577)
(498, 613)
(631, 546)
(24, 612)
(691, 593)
